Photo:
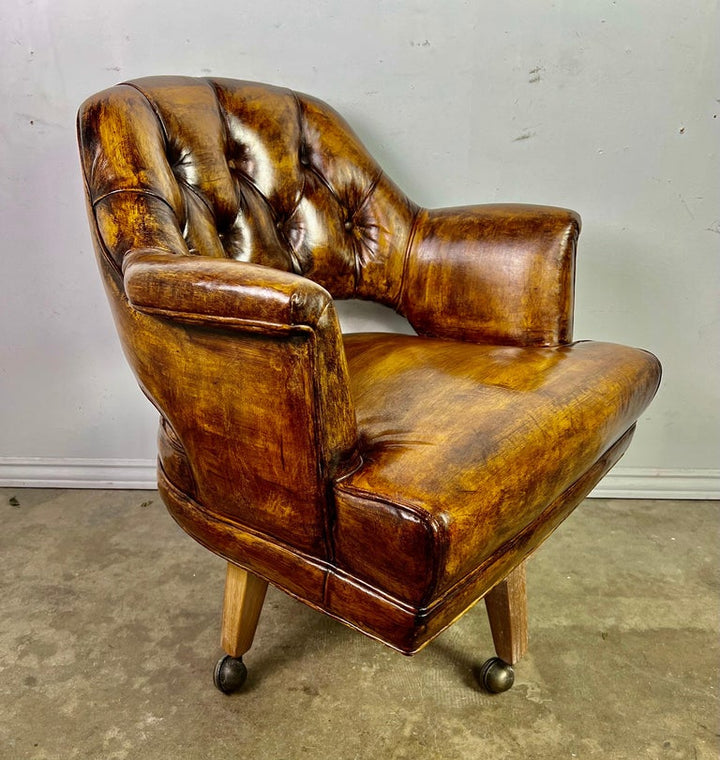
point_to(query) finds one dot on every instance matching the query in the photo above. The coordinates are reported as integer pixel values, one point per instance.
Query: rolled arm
(497, 273)
(221, 291)
(247, 365)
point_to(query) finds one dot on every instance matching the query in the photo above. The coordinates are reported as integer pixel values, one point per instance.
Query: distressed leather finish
(453, 436)
(497, 274)
(389, 481)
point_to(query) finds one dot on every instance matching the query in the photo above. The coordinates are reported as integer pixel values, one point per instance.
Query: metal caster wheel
(496, 675)
(230, 674)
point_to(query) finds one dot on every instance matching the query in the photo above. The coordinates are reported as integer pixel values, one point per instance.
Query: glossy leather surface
(452, 432)
(498, 274)
(243, 171)
(389, 481)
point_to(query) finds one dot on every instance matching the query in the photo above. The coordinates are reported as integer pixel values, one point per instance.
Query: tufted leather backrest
(226, 168)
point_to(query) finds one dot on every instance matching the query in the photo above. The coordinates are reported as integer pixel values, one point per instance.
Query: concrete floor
(109, 622)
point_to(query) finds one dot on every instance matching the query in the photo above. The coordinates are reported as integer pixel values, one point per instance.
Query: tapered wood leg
(507, 609)
(244, 597)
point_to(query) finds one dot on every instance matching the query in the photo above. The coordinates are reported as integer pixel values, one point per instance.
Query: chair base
(245, 594)
(331, 590)
(506, 599)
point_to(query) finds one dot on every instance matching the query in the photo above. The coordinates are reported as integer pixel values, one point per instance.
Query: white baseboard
(621, 483)
(43, 472)
(649, 483)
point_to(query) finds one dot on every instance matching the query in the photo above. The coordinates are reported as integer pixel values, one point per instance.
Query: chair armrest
(497, 273)
(247, 364)
(221, 291)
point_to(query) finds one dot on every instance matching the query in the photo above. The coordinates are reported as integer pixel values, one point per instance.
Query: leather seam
(503, 549)
(310, 167)
(324, 181)
(172, 438)
(182, 181)
(326, 567)
(406, 260)
(356, 256)
(320, 456)
(221, 111)
(421, 514)
(222, 115)
(256, 532)
(166, 136)
(117, 268)
(249, 180)
(155, 110)
(137, 191)
(252, 325)
(431, 523)
(301, 133)
(166, 139)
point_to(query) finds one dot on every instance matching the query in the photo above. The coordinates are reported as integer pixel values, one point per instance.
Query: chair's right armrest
(500, 273)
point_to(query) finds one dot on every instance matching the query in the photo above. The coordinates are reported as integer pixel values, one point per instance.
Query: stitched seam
(105, 252)
(182, 181)
(311, 559)
(301, 132)
(361, 493)
(166, 135)
(118, 267)
(369, 192)
(406, 260)
(503, 549)
(253, 325)
(226, 131)
(249, 180)
(429, 521)
(327, 485)
(221, 111)
(155, 109)
(362, 242)
(166, 138)
(320, 454)
(402, 604)
(322, 179)
(257, 532)
(137, 190)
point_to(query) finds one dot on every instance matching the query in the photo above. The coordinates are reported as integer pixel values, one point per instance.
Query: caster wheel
(496, 675)
(230, 674)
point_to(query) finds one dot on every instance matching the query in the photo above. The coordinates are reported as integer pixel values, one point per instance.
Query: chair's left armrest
(221, 340)
(496, 273)
(221, 291)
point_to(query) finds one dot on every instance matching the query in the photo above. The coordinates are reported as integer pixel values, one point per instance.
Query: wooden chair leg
(507, 610)
(244, 597)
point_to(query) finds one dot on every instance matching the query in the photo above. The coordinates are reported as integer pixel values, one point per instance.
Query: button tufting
(348, 225)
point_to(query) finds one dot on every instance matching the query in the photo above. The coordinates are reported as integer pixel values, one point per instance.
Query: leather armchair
(390, 481)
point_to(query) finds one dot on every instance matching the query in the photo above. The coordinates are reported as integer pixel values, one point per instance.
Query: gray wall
(606, 107)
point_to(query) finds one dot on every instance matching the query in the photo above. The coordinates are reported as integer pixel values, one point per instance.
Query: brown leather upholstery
(390, 481)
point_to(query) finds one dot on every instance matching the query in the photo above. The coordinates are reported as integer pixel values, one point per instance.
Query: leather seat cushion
(463, 445)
